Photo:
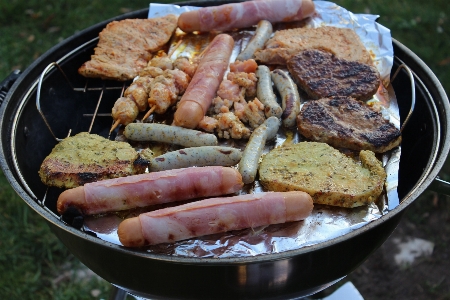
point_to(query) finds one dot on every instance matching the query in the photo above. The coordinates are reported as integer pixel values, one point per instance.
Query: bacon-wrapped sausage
(245, 14)
(214, 215)
(149, 189)
(203, 87)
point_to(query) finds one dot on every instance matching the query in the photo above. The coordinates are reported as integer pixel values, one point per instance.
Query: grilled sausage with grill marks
(290, 99)
(248, 166)
(262, 34)
(265, 94)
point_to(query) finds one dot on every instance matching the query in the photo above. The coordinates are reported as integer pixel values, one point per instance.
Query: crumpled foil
(325, 222)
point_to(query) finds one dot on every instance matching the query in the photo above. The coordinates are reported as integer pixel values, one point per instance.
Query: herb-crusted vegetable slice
(329, 176)
(87, 158)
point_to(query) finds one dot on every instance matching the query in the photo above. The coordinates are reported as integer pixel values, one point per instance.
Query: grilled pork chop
(87, 158)
(321, 74)
(342, 42)
(323, 172)
(126, 46)
(347, 123)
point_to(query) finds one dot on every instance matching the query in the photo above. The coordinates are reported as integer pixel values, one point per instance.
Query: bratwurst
(150, 189)
(203, 87)
(214, 215)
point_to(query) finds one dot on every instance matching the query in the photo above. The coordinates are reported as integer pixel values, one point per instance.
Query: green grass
(33, 263)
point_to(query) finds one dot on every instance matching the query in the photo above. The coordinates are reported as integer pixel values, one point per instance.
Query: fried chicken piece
(239, 110)
(87, 158)
(161, 61)
(229, 90)
(163, 93)
(254, 112)
(247, 66)
(126, 46)
(138, 91)
(183, 64)
(245, 80)
(208, 124)
(218, 104)
(231, 127)
(151, 71)
(342, 42)
(124, 110)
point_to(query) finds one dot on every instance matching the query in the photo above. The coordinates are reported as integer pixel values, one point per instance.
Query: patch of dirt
(428, 276)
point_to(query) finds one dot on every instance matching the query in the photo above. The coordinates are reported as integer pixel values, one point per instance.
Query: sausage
(245, 14)
(248, 166)
(150, 189)
(196, 156)
(214, 215)
(168, 134)
(290, 98)
(262, 34)
(203, 87)
(265, 94)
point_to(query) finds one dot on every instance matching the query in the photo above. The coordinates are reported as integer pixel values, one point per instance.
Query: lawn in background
(33, 263)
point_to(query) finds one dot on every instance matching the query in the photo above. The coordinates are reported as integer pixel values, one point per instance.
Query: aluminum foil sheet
(325, 222)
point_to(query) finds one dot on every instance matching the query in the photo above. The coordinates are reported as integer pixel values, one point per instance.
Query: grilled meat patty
(321, 74)
(125, 47)
(342, 42)
(87, 158)
(347, 123)
(323, 172)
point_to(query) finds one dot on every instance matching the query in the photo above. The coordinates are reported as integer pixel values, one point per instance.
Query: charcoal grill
(26, 140)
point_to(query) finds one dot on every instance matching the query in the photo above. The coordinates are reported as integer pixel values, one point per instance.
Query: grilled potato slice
(329, 176)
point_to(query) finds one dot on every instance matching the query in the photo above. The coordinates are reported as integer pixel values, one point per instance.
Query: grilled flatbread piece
(342, 42)
(323, 172)
(87, 158)
(344, 122)
(126, 46)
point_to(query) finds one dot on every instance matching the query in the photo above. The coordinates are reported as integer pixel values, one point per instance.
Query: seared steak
(347, 123)
(321, 74)
(329, 176)
(342, 42)
(88, 157)
(125, 47)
